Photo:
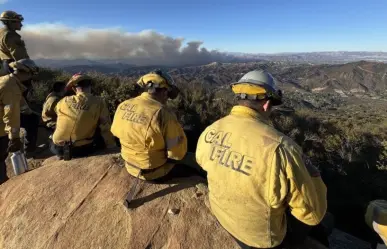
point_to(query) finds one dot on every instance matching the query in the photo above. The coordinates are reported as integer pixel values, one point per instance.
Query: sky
(236, 26)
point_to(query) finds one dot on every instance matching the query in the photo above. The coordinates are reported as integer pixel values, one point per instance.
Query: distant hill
(350, 79)
(334, 57)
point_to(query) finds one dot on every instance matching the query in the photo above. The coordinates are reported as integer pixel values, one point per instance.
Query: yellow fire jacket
(48, 113)
(11, 45)
(376, 218)
(78, 118)
(11, 97)
(149, 134)
(254, 173)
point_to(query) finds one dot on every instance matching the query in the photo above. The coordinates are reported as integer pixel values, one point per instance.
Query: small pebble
(173, 211)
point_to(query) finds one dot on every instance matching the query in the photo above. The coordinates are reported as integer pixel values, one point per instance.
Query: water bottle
(19, 162)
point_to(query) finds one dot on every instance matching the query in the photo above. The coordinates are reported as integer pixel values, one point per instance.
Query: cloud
(148, 47)
(3, 1)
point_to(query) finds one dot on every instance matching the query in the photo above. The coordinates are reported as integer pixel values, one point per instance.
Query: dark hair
(84, 83)
(58, 86)
(154, 90)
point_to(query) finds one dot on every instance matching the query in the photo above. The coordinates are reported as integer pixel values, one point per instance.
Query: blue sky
(240, 26)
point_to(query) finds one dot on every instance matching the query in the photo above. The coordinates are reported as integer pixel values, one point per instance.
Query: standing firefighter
(12, 47)
(11, 89)
(256, 174)
(83, 122)
(149, 131)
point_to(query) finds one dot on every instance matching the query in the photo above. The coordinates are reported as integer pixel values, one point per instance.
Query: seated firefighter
(83, 122)
(260, 189)
(49, 116)
(151, 137)
(376, 219)
(11, 95)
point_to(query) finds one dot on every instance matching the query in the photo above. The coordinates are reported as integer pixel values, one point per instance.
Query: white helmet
(262, 79)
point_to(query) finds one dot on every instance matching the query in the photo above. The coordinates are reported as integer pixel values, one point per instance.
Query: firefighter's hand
(14, 145)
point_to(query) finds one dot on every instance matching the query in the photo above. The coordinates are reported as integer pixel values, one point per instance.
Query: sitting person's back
(83, 121)
(149, 132)
(376, 219)
(259, 186)
(49, 116)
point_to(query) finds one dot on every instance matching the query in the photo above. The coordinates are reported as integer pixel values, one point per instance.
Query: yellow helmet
(156, 79)
(10, 15)
(75, 79)
(159, 79)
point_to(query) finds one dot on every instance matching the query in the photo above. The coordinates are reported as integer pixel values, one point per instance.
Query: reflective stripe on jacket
(149, 134)
(254, 173)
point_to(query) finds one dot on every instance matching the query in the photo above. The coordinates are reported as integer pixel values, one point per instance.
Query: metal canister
(19, 162)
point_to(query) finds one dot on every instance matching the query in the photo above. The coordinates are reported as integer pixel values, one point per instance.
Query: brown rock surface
(79, 204)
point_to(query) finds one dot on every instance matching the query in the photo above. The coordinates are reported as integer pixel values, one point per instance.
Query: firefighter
(152, 139)
(376, 219)
(11, 95)
(12, 47)
(83, 122)
(255, 172)
(49, 116)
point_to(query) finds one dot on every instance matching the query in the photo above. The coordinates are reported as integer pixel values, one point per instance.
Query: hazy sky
(238, 26)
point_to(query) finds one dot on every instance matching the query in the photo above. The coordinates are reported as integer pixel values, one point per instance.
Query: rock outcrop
(79, 204)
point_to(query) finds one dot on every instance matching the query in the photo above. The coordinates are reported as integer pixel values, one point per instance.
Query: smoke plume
(55, 41)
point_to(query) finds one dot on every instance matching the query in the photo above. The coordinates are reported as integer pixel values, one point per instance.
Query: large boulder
(79, 204)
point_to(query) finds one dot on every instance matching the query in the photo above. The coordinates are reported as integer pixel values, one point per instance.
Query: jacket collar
(247, 112)
(147, 96)
(83, 94)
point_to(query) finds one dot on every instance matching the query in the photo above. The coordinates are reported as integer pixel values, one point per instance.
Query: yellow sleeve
(306, 192)
(16, 46)
(11, 118)
(199, 149)
(49, 108)
(57, 106)
(105, 125)
(174, 135)
(115, 127)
